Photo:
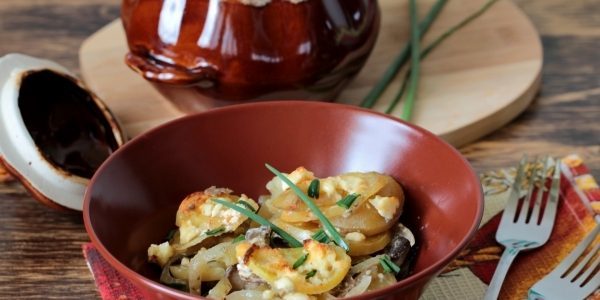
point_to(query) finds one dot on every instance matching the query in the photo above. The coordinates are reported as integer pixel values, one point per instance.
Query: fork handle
(508, 256)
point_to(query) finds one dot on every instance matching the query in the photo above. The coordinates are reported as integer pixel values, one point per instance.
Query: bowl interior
(133, 198)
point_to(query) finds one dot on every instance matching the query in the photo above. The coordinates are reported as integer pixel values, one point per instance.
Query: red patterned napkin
(467, 277)
(111, 284)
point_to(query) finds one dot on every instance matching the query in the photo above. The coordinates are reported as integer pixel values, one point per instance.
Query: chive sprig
(320, 236)
(328, 227)
(290, 240)
(313, 188)
(388, 265)
(347, 201)
(407, 112)
(403, 57)
(300, 261)
(216, 231)
(415, 65)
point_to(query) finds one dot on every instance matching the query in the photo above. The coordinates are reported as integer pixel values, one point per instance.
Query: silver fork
(574, 277)
(519, 228)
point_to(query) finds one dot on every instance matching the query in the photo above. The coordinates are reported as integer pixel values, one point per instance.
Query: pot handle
(157, 71)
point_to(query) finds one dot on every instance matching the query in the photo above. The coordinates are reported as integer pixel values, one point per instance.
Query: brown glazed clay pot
(226, 50)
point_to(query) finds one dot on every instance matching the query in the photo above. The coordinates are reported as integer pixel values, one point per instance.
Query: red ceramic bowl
(132, 199)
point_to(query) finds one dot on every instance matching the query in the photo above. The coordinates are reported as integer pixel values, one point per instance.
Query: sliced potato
(366, 220)
(290, 208)
(276, 186)
(329, 263)
(369, 245)
(300, 231)
(197, 214)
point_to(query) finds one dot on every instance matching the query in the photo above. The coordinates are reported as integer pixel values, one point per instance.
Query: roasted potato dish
(309, 238)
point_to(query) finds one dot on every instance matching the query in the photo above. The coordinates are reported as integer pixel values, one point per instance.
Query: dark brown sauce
(67, 126)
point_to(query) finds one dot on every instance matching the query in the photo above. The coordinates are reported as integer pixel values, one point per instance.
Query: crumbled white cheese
(296, 296)
(216, 210)
(385, 206)
(160, 253)
(284, 284)
(206, 208)
(230, 218)
(328, 187)
(276, 186)
(355, 236)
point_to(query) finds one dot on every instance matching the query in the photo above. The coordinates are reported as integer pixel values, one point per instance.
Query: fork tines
(529, 206)
(576, 277)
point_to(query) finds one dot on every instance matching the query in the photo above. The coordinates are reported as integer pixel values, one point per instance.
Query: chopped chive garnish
(320, 236)
(313, 189)
(310, 274)
(216, 231)
(300, 261)
(329, 229)
(238, 239)
(262, 221)
(347, 201)
(388, 265)
(246, 205)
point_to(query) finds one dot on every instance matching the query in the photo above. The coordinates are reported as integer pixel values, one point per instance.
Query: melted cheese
(197, 214)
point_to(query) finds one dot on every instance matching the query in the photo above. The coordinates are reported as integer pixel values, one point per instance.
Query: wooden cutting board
(475, 82)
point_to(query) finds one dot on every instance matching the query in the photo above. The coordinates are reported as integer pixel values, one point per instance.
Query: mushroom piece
(344, 287)
(234, 278)
(400, 247)
(239, 281)
(244, 278)
(260, 236)
(54, 133)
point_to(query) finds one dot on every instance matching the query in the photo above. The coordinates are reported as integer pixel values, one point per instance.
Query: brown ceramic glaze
(64, 121)
(230, 51)
(133, 197)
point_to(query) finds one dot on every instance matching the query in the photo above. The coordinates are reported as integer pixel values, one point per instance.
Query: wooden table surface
(41, 249)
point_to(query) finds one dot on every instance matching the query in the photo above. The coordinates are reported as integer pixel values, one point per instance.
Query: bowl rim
(138, 279)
